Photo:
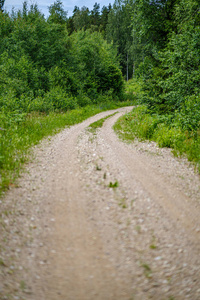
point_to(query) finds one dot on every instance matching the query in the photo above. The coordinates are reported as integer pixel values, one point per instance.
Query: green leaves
(170, 58)
(95, 63)
(1, 5)
(57, 13)
(42, 68)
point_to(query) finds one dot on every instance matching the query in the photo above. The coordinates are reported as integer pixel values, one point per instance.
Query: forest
(146, 51)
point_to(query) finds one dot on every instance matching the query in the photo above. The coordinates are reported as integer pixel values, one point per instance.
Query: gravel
(66, 234)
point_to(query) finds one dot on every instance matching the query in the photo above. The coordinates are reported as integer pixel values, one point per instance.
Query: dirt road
(96, 218)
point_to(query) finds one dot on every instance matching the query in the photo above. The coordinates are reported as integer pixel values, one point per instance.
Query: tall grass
(163, 129)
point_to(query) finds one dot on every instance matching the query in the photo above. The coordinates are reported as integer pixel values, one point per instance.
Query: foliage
(1, 5)
(43, 69)
(133, 90)
(59, 64)
(153, 22)
(57, 13)
(166, 130)
(173, 74)
(96, 65)
(118, 31)
(83, 19)
(166, 54)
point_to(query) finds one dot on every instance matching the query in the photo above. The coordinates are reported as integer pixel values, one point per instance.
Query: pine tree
(1, 5)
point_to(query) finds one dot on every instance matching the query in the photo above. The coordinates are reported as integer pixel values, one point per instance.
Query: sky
(67, 4)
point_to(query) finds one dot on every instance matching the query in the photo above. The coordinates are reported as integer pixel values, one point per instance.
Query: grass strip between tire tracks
(19, 132)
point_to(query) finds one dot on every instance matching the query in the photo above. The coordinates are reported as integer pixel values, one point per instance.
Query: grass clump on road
(113, 185)
(147, 270)
(98, 124)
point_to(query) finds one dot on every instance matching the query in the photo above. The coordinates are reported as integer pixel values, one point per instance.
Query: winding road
(94, 217)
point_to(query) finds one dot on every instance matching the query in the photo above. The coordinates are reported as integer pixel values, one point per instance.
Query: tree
(119, 31)
(57, 13)
(95, 15)
(95, 63)
(6, 27)
(1, 5)
(81, 18)
(181, 58)
(152, 22)
(104, 18)
(171, 72)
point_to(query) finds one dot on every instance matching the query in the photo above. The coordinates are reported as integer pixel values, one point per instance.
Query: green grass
(113, 185)
(20, 131)
(98, 124)
(162, 129)
(122, 203)
(147, 270)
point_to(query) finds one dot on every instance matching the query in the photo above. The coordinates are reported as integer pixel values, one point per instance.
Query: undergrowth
(166, 130)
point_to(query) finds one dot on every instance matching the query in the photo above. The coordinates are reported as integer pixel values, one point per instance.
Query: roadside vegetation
(163, 53)
(168, 130)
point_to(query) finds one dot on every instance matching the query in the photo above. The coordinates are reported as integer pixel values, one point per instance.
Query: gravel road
(93, 217)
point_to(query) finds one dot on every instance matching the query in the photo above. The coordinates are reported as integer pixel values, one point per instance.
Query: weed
(104, 175)
(153, 245)
(122, 203)
(92, 138)
(138, 228)
(132, 202)
(22, 285)
(113, 185)
(98, 168)
(2, 263)
(6, 213)
(147, 270)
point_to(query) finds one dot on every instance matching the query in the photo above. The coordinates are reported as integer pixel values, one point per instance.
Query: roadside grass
(164, 130)
(20, 131)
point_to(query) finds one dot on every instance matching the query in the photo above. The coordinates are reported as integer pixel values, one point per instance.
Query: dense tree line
(77, 57)
(44, 68)
(83, 18)
(160, 39)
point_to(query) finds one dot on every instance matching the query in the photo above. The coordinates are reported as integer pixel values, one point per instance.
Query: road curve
(96, 218)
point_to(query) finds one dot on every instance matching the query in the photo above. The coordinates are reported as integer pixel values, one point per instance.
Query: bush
(165, 130)
(60, 100)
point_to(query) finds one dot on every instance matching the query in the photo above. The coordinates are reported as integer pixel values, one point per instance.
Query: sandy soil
(66, 234)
